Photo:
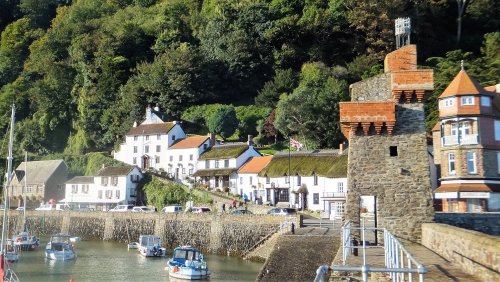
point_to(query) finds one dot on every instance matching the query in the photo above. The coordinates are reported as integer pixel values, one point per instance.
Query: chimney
(135, 124)
(103, 166)
(250, 140)
(212, 139)
(148, 112)
(157, 107)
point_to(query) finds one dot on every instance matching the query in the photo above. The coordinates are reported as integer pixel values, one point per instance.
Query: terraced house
(314, 180)
(182, 157)
(467, 147)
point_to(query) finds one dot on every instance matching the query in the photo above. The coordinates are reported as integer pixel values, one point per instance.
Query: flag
(296, 144)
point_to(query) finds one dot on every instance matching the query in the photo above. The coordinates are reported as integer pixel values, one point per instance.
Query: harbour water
(110, 261)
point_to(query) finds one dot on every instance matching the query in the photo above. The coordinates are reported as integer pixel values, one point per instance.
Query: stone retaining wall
(488, 223)
(476, 253)
(215, 233)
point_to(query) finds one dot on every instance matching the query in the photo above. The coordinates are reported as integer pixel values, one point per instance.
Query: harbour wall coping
(476, 253)
(488, 223)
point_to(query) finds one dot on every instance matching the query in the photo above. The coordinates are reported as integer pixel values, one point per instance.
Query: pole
(7, 184)
(289, 176)
(25, 188)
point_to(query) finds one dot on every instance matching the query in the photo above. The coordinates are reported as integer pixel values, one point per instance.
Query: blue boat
(187, 263)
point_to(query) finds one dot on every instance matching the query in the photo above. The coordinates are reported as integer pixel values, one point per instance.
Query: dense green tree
(248, 117)
(159, 193)
(283, 82)
(223, 121)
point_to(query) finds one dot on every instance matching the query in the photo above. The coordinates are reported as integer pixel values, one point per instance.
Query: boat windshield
(60, 239)
(187, 254)
(150, 241)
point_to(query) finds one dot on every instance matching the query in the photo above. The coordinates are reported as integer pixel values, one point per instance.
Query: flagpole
(289, 177)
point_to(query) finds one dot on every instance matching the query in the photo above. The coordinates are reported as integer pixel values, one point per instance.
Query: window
(135, 138)
(250, 179)
(190, 171)
(448, 102)
(316, 198)
(226, 163)
(180, 158)
(85, 188)
(497, 130)
(454, 129)
(216, 163)
(465, 128)
(315, 179)
(241, 180)
(158, 136)
(114, 180)
(146, 149)
(99, 194)
(104, 181)
(340, 187)
(299, 180)
(157, 159)
(109, 194)
(451, 163)
(171, 158)
(135, 149)
(147, 137)
(117, 194)
(169, 170)
(485, 101)
(183, 171)
(191, 157)
(471, 162)
(134, 160)
(74, 189)
(287, 179)
(393, 151)
(29, 189)
(207, 164)
(158, 148)
(268, 180)
(498, 162)
(173, 137)
(467, 100)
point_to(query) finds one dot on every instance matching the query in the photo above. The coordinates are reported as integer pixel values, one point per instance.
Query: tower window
(393, 151)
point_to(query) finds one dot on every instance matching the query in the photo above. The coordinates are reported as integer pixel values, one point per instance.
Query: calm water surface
(109, 261)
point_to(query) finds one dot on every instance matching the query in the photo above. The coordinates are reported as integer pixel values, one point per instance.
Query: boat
(133, 245)
(150, 246)
(75, 239)
(187, 263)
(7, 273)
(60, 248)
(23, 240)
(12, 254)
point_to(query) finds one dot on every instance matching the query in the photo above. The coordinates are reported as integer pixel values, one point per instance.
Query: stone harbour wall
(215, 233)
(488, 223)
(476, 253)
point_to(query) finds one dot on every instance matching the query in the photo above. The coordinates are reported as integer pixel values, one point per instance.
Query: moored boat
(12, 254)
(26, 242)
(150, 246)
(133, 245)
(187, 263)
(60, 248)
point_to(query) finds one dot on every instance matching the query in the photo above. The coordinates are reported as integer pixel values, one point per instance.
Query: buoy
(71, 280)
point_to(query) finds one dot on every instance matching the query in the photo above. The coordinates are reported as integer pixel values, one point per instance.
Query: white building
(218, 166)
(249, 184)
(182, 157)
(146, 144)
(318, 181)
(111, 186)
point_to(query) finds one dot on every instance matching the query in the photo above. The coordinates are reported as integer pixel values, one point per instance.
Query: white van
(46, 207)
(172, 209)
(62, 207)
(122, 208)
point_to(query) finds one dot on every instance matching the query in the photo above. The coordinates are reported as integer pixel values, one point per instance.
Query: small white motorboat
(133, 245)
(187, 263)
(12, 253)
(150, 246)
(60, 248)
(75, 239)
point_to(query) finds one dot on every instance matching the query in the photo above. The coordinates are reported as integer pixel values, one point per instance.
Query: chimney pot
(250, 140)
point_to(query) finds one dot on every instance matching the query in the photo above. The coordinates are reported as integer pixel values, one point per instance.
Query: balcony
(334, 195)
(452, 140)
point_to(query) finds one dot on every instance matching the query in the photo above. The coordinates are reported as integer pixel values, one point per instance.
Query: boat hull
(60, 255)
(187, 273)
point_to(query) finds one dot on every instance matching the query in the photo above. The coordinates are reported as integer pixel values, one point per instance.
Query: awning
(468, 187)
(214, 172)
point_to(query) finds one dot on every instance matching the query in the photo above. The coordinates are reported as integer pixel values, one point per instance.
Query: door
(145, 162)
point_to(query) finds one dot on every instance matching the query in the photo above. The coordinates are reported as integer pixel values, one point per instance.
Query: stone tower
(388, 158)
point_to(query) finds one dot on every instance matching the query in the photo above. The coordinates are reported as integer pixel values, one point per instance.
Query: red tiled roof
(255, 164)
(190, 142)
(155, 128)
(492, 88)
(463, 84)
(468, 187)
(436, 127)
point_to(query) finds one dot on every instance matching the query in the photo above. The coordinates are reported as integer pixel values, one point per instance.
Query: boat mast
(25, 186)
(7, 184)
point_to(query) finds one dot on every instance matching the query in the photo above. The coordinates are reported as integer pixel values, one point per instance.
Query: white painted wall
(182, 160)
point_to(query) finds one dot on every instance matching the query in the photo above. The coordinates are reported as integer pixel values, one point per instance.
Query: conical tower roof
(463, 84)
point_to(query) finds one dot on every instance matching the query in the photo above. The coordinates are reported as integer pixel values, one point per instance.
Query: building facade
(467, 147)
(182, 157)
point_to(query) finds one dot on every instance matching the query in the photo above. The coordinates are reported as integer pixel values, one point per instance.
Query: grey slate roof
(115, 171)
(38, 171)
(81, 180)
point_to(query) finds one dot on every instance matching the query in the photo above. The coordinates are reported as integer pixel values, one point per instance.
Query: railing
(334, 194)
(399, 263)
(470, 139)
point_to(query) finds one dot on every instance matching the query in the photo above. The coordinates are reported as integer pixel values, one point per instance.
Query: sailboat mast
(25, 185)
(9, 177)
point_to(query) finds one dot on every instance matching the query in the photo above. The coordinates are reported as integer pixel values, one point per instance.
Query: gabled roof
(81, 180)
(155, 128)
(115, 171)
(436, 127)
(38, 171)
(255, 164)
(229, 151)
(189, 142)
(463, 84)
(321, 163)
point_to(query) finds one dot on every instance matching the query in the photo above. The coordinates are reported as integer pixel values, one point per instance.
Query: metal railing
(469, 139)
(334, 194)
(399, 263)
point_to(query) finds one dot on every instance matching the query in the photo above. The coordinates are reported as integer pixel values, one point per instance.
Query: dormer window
(205, 147)
(173, 137)
(485, 101)
(467, 100)
(448, 102)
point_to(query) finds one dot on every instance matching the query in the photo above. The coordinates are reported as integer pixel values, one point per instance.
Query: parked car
(241, 212)
(142, 209)
(46, 207)
(172, 209)
(282, 211)
(20, 209)
(200, 210)
(122, 208)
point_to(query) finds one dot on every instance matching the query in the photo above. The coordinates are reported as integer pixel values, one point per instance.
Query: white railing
(451, 140)
(399, 263)
(334, 194)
